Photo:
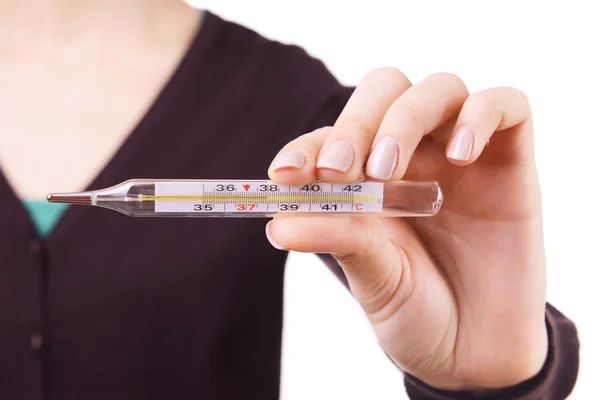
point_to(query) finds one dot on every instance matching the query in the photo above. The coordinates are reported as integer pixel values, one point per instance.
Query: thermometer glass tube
(261, 198)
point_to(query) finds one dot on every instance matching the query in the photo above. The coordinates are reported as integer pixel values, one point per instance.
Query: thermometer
(261, 198)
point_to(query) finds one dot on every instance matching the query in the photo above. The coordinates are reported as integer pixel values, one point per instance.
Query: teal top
(44, 215)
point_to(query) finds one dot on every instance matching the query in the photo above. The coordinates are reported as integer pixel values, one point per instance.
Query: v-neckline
(194, 57)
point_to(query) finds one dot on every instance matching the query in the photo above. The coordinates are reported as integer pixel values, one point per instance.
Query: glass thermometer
(261, 198)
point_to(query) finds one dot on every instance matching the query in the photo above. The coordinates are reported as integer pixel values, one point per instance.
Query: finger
(484, 113)
(399, 288)
(442, 133)
(373, 267)
(417, 112)
(345, 150)
(295, 162)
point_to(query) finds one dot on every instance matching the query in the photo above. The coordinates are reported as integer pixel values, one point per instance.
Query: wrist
(515, 366)
(556, 378)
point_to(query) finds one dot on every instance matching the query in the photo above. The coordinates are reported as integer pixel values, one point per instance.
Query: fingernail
(338, 156)
(383, 159)
(461, 145)
(270, 237)
(290, 159)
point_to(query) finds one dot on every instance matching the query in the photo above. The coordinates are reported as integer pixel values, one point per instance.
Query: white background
(548, 49)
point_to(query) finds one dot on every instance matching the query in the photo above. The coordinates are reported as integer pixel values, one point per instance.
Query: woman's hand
(457, 300)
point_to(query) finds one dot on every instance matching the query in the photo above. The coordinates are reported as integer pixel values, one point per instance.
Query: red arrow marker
(246, 187)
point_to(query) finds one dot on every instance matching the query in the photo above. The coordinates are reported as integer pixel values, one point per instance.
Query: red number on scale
(245, 207)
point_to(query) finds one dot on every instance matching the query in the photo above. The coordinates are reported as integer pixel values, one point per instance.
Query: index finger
(342, 156)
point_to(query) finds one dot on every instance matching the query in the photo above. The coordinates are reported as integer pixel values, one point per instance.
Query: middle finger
(417, 112)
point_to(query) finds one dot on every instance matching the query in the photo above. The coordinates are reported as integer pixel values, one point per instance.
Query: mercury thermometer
(261, 198)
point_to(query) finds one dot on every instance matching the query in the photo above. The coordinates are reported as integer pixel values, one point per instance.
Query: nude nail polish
(461, 145)
(339, 156)
(383, 159)
(291, 159)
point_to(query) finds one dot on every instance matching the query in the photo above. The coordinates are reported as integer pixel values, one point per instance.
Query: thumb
(377, 272)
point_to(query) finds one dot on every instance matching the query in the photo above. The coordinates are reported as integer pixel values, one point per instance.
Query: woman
(97, 305)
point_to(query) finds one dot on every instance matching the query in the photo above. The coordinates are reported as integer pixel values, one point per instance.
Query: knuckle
(362, 244)
(450, 85)
(354, 122)
(321, 130)
(411, 117)
(317, 133)
(392, 292)
(390, 74)
(305, 139)
(522, 97)
(449, 79)
(485, 106)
